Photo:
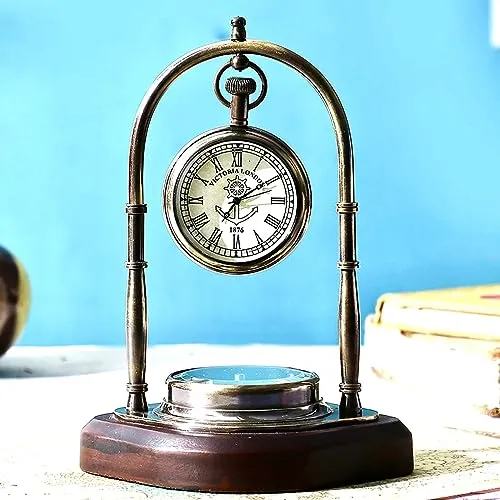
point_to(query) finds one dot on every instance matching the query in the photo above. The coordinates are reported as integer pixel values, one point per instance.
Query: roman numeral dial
(217, 164)
(236, 202)
(195, 200)
(237, 159)
(257, 237)
(236, 241)
(200, 220)
(215, 236)
(272, 221)
(277, 200)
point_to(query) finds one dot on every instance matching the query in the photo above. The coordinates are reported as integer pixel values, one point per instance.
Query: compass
(237, 200)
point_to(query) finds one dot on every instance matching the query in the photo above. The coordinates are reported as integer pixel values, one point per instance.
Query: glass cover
(244, 375)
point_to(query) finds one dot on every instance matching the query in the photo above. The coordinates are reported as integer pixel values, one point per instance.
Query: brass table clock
(237, 200)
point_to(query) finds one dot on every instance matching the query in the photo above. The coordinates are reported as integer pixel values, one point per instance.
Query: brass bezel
(289, 160)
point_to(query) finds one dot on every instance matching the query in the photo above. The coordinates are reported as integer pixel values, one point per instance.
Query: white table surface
(48, 394)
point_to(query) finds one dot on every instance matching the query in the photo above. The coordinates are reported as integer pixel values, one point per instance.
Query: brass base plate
(327, 414)
(247, 462)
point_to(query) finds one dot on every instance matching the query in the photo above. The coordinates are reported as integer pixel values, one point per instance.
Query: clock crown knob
(240, 86)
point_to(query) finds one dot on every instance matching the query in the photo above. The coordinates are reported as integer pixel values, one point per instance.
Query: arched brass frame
(136, 315)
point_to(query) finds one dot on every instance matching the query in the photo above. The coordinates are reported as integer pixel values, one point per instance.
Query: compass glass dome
(238, 375)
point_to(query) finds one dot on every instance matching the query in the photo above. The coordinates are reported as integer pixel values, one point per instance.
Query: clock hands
(259, 186)
(225, 215)
(237, 199)
(247, 194)
(236, 219)
(235, 204)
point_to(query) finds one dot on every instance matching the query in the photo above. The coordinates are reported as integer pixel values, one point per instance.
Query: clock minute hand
(247, 195)
(236, 200)
(259, 186)
(256, 194)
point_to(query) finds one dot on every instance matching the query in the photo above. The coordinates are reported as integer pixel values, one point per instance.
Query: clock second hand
(256, 194)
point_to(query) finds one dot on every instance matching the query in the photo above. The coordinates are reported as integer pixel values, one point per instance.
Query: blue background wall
(421, 88)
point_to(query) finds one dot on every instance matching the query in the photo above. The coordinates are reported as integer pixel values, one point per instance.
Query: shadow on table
(60, 361)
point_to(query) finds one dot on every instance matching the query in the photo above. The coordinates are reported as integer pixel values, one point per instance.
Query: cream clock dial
(237, 200)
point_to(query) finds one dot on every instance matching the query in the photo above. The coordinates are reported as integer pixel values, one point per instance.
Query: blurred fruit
(14, 299)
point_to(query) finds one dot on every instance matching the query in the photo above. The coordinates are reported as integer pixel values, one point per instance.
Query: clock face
(235, 204)
(237, 201)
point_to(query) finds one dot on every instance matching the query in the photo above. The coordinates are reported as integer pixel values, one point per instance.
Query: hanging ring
(262, 76)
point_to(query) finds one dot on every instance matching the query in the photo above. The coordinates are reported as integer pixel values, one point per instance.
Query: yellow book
(469, 312)
(447, 374)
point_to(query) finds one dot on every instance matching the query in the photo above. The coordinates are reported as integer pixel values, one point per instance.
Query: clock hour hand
(257, 187)
(221, 212)
(234, 203)
(236, 219)
(225, 215)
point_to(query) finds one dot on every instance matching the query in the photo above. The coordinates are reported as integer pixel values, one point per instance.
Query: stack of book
(442, 345)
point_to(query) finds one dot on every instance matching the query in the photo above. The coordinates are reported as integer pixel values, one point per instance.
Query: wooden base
(259, 462)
